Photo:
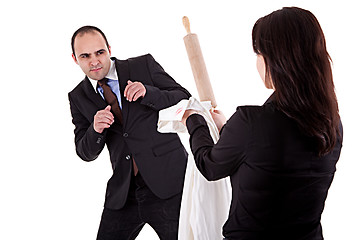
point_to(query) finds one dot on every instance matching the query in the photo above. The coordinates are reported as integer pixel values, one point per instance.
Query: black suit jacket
(279, 184)
(161, 158)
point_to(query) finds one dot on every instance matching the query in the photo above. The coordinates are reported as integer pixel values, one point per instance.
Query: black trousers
(142, 207)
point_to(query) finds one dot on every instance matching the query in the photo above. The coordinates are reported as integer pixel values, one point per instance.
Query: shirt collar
(111, 74)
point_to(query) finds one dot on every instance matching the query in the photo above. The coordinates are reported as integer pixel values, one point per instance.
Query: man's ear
(109, 50)
(75, 60)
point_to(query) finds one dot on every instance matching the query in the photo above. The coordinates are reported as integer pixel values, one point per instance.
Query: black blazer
(161, 158)
(279, 184)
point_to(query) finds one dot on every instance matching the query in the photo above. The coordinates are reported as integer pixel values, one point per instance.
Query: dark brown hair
(83, 30)
(299, 66)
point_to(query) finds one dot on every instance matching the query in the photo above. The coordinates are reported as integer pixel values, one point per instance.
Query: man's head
(91, 51)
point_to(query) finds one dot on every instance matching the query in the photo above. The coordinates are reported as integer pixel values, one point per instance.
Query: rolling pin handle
(186, 24)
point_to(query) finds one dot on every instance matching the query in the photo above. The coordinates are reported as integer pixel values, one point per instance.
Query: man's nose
(94, 61)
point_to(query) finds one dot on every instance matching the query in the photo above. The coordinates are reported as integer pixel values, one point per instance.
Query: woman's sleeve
(216, 161)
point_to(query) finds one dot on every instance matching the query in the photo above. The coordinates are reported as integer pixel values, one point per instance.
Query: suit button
(127, 157)
(98, 140)
(125, 135)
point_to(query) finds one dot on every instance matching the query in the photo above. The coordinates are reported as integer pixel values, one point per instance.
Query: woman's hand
(219, 118)
(186, 115)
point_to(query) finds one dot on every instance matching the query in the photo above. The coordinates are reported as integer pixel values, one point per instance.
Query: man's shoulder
(78, 88)
(139, 64)
(141, 58)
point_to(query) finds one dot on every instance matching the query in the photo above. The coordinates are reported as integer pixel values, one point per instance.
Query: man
(148, 167)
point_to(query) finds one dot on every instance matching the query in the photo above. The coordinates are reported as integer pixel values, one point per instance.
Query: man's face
(92, 55)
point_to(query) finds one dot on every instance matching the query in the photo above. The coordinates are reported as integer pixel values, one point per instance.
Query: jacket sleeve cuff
(150, 98)
(194, 122)
(99, 138)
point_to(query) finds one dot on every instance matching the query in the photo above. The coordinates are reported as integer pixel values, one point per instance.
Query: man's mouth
(95, 69)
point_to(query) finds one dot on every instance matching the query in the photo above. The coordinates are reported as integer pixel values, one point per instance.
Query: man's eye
(100, 52)
(84, 56)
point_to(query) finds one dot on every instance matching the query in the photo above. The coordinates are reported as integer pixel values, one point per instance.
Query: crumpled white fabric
(205, 205)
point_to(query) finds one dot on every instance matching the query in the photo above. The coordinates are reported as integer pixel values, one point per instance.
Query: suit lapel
(122, 70)
(92, 95)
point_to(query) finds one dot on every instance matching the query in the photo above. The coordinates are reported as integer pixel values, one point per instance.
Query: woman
(281, 156)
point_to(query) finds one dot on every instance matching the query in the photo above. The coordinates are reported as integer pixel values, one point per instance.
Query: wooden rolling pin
(198, 66)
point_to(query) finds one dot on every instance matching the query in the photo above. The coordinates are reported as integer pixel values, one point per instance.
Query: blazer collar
(271, 98)
(93, 96)
(122, 69)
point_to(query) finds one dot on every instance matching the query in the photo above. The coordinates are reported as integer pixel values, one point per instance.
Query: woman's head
(292, 44)
(297, 64)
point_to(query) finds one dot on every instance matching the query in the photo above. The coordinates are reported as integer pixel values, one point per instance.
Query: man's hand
(103, 119)
(134, 90)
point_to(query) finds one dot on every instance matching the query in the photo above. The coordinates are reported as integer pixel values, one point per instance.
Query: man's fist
(103, 119)
(134, 90)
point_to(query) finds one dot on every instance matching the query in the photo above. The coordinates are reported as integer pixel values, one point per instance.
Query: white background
(47, 192)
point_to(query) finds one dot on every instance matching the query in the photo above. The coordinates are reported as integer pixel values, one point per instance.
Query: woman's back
(281, 185)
